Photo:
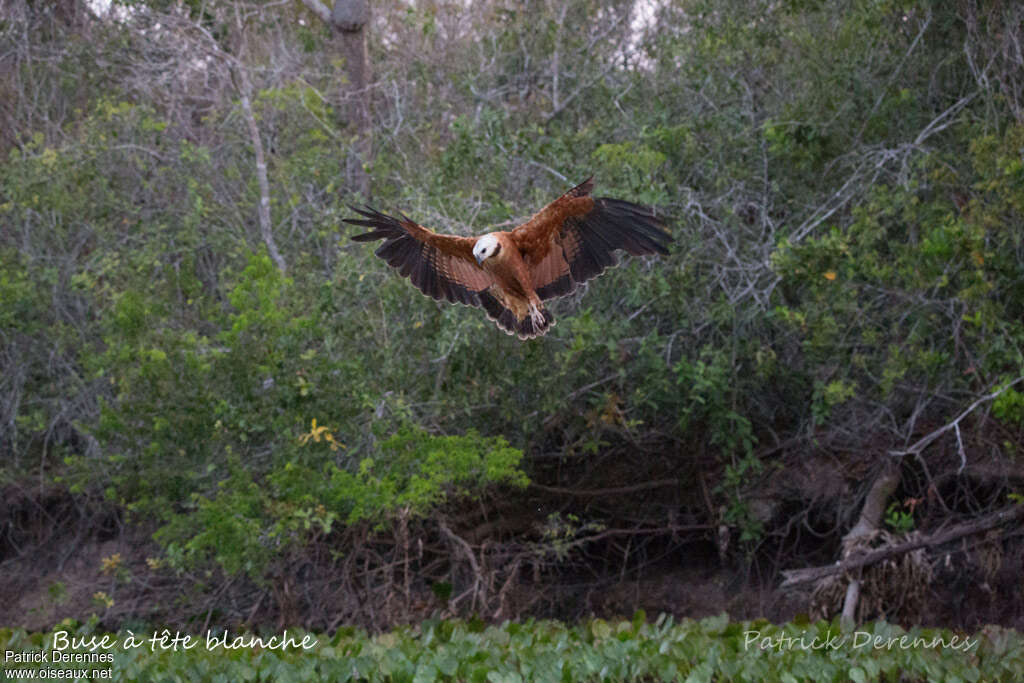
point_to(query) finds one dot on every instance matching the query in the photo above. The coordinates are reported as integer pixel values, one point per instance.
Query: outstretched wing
(441, 266)
(573, 239)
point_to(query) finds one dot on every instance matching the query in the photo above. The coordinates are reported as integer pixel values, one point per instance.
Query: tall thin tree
(348, 20)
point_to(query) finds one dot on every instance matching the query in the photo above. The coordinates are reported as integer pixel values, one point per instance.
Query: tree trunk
(245, 90)
(348, 20)
(870, 517)
(263, 210)
(357, 112)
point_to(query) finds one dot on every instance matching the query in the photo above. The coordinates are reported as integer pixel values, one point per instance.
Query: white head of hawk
(510, 274)
(486, 247)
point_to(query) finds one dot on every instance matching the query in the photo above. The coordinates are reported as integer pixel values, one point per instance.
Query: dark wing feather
(441, 266)
(496, 311)
(506, 319)
(574, 238)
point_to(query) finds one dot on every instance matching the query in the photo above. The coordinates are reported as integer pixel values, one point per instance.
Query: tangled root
(892, 588)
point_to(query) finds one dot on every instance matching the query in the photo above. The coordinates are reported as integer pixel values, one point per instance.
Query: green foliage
(631, 167)
(561, 533)
(1009, 406)
(22, 306)
(622, 650)
(828, 395)
(899, 520)
(244, 526)
(884, 302)
(710, 399)
(411, 472)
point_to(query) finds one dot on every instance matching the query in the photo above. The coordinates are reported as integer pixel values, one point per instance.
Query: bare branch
(548, 169)
(600, 493)
(318, 8)
(479, 588)
(794, 577)
(245, 91)
(924, 441)
(933, 127)
(896, 72)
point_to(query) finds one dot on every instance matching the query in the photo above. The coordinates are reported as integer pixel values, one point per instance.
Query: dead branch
(870, 517)
(597, 493)
(924, 441)
(794, 577)
(479, 584)
(245, 91)
(319, 9)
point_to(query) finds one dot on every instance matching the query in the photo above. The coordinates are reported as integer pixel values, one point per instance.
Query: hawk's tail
(527, 328)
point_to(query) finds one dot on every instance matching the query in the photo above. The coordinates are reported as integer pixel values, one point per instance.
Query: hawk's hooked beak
(479, 261)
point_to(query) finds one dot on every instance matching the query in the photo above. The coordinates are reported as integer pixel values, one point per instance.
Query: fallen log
(794, 577)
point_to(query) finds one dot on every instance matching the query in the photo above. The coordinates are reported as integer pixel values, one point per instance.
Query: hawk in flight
(510, 274)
